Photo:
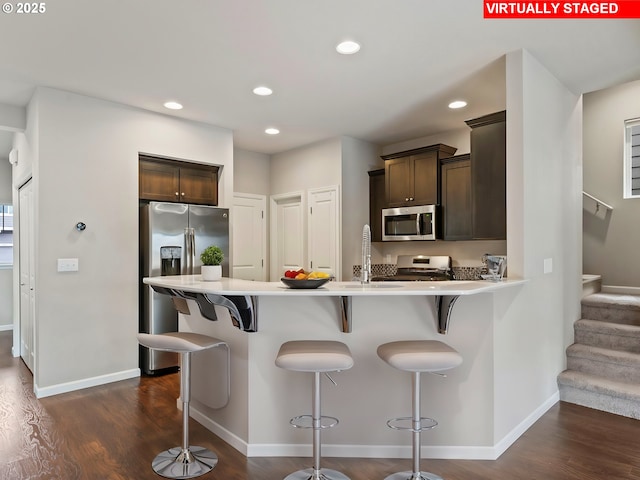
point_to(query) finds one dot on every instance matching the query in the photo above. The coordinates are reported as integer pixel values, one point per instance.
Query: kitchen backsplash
(386, 269)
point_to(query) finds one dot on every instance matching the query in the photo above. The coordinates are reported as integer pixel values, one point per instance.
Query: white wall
(6, 274)
(313, 166)
(358, 157)
(251, 172)
(85, 168)
(5, 180)
(610, 237)
(6, 298)
(459, 138)
(543, 221)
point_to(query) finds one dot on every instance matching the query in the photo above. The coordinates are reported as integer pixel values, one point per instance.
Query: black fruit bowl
(309, 283)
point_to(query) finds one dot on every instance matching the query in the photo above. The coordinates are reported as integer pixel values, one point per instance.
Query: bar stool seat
(186, 461)
(317, 356)
(417, 356)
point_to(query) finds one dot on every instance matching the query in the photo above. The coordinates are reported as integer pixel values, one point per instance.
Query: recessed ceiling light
(262, 91)
(173, 105)
(348, 47)
(272, 131)
(458, 104)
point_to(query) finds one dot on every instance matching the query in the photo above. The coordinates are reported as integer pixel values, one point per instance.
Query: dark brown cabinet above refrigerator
(174, 181)
(412, 176)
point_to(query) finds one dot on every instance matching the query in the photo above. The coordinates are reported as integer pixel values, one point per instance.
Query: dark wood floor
(113, 432)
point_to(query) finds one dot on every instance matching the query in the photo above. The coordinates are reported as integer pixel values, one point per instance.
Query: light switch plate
(548, 265)
(67, 264)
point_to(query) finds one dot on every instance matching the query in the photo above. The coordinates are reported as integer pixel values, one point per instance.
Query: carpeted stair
(603, 365)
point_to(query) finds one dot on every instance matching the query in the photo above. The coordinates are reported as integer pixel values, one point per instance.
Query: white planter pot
(211, 272)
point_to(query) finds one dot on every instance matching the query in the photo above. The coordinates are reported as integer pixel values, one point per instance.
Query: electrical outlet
(67, 264)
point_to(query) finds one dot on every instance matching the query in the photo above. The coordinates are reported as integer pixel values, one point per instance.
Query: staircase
(603, 365)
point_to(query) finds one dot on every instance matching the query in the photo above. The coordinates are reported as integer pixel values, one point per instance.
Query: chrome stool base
(178, 463)
(322, 474)
(412, 476)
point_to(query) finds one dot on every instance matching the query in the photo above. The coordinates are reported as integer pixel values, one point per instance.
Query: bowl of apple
(302, 279)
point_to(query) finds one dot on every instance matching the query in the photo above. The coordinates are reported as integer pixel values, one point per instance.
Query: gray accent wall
(611, 238)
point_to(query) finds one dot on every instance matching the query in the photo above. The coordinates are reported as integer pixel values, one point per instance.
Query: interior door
(324, 230)
(27, 275)
(288, 237)
(249, 236)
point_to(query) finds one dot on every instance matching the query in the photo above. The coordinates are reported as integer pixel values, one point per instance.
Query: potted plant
(211, 258)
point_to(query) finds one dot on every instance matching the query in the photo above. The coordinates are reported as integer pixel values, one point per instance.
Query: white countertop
(234, 286)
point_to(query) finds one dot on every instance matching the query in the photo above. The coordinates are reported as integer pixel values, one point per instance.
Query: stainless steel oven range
(420, 268)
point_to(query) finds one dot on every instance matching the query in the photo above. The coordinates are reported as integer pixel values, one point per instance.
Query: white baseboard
(621, 290)
(377, 451)
(229, 437)
(4, 328)
(522, 427)
(85, 383)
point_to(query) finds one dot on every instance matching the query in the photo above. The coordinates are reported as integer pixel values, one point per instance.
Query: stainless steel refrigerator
(172, 236)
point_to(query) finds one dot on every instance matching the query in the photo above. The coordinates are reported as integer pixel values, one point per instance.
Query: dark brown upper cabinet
(376, 203)
(174, 181)
(489, 176)
(412, 177)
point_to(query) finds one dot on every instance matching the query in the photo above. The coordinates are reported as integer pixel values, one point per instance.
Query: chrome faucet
(365, 272)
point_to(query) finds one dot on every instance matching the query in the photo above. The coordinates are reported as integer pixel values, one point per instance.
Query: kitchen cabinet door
(412, 177)
(376, 203)
(456, 198)
(398, 182)
(159, 181)
(425, 179)
(199, 185)
(488, 176)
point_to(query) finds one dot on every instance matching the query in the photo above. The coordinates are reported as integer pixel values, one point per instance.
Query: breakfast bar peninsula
(251, 408)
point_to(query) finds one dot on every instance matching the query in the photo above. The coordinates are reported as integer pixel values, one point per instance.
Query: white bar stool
(317, 356)
(186, 461)
(417, 356)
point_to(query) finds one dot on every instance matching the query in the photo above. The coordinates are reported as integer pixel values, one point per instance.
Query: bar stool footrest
(406, 423)
(306, 421)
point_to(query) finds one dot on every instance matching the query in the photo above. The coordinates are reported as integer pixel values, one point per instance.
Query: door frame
(16, 349)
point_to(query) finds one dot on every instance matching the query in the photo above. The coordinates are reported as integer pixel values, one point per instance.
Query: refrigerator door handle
(192, 250)
(187, 248)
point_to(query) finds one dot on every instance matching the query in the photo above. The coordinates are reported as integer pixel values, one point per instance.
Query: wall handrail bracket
(598, 202)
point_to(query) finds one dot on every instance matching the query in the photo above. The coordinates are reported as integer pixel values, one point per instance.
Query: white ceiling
(416, 56)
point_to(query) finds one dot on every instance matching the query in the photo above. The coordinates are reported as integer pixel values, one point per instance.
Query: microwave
(409, 223)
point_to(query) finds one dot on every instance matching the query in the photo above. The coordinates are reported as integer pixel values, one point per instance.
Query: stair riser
(613, 315)
(610, 370)
(605, 403)
(603, 340)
